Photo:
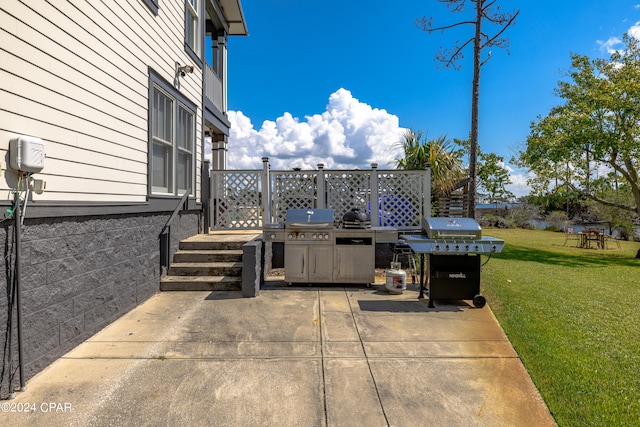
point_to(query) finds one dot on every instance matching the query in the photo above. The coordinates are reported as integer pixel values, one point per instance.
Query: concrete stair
(207, 262)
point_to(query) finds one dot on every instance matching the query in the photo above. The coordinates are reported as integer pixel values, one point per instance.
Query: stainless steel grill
(453, 247)
(453, 235)
(302, 219)
(317, 252)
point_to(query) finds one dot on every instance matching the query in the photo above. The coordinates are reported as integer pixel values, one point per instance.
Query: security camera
(182, 70)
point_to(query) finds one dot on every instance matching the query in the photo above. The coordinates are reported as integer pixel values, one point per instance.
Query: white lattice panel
(236, 202)
(292, 190)
(347, 190)
(400, 199)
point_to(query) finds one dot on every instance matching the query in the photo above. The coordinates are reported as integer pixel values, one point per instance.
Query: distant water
(580, 227)
(493, 205)
(543, 224)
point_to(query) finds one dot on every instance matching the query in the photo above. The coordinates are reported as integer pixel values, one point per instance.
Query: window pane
(188, 24)
(184, 171)
(192, 27)
(161, 116)
(161, 168)
(163, 138)
(185, 142)
(185, 129)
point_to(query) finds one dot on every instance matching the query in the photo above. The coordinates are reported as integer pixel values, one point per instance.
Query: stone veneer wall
(78, 275)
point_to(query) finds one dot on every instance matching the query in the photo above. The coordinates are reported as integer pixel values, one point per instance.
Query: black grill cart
(453, 247)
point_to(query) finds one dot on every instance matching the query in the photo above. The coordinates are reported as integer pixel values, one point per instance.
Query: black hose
(18, 231)
(7, 371)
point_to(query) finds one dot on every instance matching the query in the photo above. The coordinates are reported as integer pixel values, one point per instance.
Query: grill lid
(356, 219)
(309, 218)
(462, 228)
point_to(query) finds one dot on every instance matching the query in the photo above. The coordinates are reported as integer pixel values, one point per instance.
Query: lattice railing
(236, 199)
(400, 198)
(292, 190)
(346, 190)
(391, 198)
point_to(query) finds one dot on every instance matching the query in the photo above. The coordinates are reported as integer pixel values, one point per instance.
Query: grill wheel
(479, 301)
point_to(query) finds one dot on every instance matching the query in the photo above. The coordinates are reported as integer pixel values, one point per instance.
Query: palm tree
(440, 153)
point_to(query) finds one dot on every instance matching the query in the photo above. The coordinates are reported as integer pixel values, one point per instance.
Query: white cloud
(615, 44)
(349, 134)
(634, 31)
(518, 185)
(610, 44)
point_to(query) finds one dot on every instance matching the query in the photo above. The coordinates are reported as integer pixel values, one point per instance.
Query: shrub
(556, 220)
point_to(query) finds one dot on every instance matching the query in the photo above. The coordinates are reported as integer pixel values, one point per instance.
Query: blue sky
(337, 81)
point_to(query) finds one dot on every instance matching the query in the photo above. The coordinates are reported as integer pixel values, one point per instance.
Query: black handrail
(175, 211)
(165, 235)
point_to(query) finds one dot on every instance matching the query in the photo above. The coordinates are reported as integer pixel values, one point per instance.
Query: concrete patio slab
(303, 356)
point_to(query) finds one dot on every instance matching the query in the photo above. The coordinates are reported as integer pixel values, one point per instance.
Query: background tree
(445, 159)
(485, 10)
(493, 177)
(607, 187)
(597, 127)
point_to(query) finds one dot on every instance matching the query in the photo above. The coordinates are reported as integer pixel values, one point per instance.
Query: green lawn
(573, 316)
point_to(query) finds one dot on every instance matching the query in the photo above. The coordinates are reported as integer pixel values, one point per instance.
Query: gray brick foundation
(78, 275)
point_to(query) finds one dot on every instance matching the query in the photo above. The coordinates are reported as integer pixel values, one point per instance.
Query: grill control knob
(477, 248)
(314, 236)
(290, 236)
(437, 248)
(457, 248)
(466, 248)
(301, 236)
(326, 236)
(272, 236)
(446, 248)
(493, 248)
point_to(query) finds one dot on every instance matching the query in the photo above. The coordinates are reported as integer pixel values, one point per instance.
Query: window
(162, 150)
(172, 140)
(184, 163)
(192, 26)
(153, 5)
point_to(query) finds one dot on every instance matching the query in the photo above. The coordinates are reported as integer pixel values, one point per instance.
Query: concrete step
(201, 283)
(206, 269)
(215, 242)
(207, 255)
(207, 262)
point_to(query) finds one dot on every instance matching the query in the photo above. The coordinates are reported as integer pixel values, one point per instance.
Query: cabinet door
(296, 263)
(321, 264)
(355, 264)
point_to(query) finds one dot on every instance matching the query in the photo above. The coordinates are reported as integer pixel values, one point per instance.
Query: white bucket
(396, 279)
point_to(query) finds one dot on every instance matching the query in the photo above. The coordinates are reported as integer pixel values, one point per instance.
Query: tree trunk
(475, 96)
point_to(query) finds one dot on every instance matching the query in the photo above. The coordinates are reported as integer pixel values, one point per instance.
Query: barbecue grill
(317, 252)
(356, 219)
(453, 247)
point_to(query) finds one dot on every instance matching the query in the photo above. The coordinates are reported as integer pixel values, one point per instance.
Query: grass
(573, 316)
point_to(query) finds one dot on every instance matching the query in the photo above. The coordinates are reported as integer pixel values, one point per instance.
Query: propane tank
(396, 281)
